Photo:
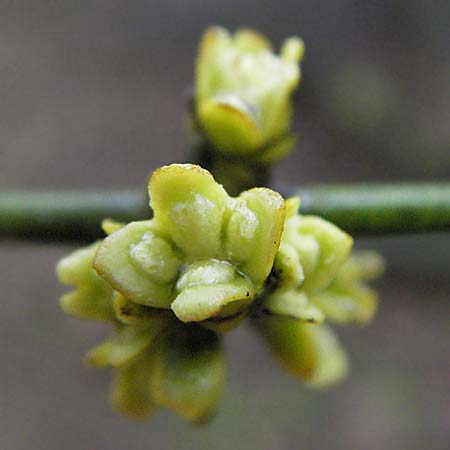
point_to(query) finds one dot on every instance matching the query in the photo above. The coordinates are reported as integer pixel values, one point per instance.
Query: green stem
(66, 215)
(358, 209)
(373, 209)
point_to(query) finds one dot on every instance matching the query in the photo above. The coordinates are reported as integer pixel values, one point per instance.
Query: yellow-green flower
(203, 258)
(157, 361)
(316, 282)
(349, 299)
(205, 261)
(243, 93)
(92, 298)
(204, 254)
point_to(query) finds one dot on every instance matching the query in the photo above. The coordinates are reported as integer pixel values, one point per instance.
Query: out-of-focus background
(92, 95)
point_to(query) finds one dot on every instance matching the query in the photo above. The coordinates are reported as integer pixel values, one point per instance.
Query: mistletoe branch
(368, 209)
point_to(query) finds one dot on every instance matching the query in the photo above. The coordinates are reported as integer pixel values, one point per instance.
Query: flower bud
(189, 372)
(349, 299)
(311, 352)
(315, 282)
(312, 251)
(203, 263)
(243, 92)
(92, 297)
(204, 254)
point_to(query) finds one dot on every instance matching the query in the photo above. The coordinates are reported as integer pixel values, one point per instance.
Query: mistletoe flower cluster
(173, 284)
(317, 281)
(243, 91)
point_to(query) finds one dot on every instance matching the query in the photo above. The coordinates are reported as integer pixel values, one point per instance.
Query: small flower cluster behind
(172, 285)
(241, 110)
(243, 104)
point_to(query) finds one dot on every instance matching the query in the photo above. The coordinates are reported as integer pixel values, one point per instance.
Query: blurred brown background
(91, 95)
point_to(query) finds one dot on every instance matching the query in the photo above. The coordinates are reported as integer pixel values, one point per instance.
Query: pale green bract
(205, 261)
(243, 93)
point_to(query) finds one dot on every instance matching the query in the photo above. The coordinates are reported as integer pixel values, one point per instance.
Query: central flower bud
(211, 288)
(205, 255)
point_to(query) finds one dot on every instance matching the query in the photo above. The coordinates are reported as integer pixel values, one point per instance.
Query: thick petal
(91, 304)
(352, 304)
(292, 206)
(189, 373)
(292, 50)
(110, 225)
(131, 313)
(361, 266)
(292, 304)
(311, 352)
(348, 299)
(249, 40)
(76, 268)
(226, 321)
(203, 302)
(211, 289)
(287, 267)
(277, 150)
(128, 343)
(131, 391)
(332, 362)
(214, 42)
(231, 124)
(92, 298)
(276, 104)
(206, 272)
(254, 230)
(189, 205)
(334, 246)
(138, 263)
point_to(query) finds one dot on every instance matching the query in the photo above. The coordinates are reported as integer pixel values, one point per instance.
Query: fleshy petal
(292, 304)
(110, 225)
(254, 230)
(131, 391)
(353, 304)
(129, 342)
(131, 262)
(249, 40)
(189, 204)
(131, 313)
(311, 352)
(231, 124)
(203, 302)
(189, 373)
(287, 267)
(92, 298)
(320, 264)
(208, 78)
